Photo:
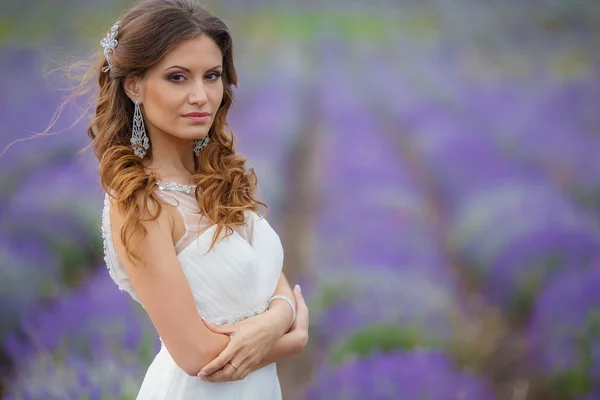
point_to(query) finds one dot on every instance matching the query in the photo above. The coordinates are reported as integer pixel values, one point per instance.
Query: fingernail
(299, 290)
(203, 319)
(201, 374)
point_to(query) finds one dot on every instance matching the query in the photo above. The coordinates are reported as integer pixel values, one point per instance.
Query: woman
(180, 224)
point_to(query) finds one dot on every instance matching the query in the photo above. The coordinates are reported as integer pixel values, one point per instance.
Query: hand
(250, 340)
(300, 327)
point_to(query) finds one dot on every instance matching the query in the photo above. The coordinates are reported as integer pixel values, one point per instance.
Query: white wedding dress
(233, 281)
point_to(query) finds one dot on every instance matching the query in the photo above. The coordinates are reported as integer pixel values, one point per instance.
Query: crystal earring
(139, 139)
(199, 144)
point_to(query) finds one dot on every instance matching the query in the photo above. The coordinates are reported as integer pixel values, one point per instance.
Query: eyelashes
(216, 74)
(175, 77)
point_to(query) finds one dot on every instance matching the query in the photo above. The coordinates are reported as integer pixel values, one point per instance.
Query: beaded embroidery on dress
(231, 282)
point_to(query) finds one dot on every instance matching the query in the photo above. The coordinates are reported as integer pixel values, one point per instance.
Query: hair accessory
(287, 300)
(110, 43)
(139, 139)
(199, 144)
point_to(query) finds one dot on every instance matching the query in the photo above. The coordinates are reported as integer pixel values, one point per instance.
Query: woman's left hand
(250, 340)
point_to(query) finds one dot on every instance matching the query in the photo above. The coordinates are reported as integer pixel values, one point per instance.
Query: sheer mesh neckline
(177, 187)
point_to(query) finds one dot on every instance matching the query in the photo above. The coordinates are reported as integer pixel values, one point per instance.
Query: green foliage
(528, 287)
(378, 337)
(75, 260)
(329, 294)
(579, 380)
(146, 351)
(575, 382)
(308, 25)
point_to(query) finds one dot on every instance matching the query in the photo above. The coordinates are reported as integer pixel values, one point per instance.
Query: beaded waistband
(240, 316)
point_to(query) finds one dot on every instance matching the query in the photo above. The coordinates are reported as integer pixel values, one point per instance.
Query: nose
(198, 94)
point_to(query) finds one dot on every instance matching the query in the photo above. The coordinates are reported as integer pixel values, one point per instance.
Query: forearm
(280, 310)
(290, 344)
(283, 288)
(192, 357)
(287, 346)
(218, 343)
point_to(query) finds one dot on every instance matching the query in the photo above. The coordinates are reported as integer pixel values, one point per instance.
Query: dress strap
(182, 198)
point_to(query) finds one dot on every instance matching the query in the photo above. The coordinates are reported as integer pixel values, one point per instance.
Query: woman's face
(186, 81)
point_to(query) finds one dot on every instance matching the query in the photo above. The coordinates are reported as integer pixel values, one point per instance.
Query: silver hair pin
(110, 43)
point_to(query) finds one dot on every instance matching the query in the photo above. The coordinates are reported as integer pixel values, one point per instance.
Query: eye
(174, 76)
(213, 76)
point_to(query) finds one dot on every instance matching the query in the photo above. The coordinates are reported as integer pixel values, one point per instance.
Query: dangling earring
(139, 139)
(199, 144)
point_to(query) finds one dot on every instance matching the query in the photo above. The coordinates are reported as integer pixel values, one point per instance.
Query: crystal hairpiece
(110, 43)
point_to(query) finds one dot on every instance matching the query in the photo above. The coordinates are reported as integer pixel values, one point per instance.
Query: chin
(194, 134)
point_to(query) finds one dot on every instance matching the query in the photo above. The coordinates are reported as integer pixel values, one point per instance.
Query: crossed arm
(163, 288)
(293, 342)
(286, 344)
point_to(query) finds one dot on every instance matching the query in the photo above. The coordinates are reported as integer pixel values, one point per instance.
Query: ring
(232, 365)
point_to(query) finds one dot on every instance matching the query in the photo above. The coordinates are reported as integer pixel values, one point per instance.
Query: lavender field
(432, 167)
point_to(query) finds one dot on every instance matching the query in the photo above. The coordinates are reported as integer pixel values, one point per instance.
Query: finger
(242, 371)
(239, 374)
(244, 374)
(245, 364)
(301, 308)
(224, 329)
(299, 297)
(222, 375)
(219, 362)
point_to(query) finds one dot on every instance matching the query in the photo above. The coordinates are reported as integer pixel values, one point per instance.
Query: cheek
(162, 104)
(217, 96)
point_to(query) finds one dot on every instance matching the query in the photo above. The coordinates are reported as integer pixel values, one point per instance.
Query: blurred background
(431, 166)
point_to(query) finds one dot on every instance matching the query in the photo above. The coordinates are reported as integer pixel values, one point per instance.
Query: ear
(132, 87)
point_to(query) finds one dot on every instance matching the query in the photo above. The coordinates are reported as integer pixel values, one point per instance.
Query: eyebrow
(188, 70)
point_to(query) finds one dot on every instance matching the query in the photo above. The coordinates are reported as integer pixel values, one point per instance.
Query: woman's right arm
(164, 291)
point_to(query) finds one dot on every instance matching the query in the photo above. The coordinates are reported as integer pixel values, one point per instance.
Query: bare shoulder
(156, 234)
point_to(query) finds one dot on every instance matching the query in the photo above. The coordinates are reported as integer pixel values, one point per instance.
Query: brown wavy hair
(147, 32)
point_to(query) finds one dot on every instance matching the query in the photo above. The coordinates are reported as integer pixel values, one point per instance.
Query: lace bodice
(232, 281)
(182, 197)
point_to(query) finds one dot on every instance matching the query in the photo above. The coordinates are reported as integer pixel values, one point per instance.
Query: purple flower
(517, 236)
(48, 201)
(29, 275)
(111, 324)
(564, 331)
(266, 137)
(415, 305)
(417, 374)
(74, 377)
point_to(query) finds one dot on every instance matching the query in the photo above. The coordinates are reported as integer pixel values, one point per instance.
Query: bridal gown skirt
(166, 381)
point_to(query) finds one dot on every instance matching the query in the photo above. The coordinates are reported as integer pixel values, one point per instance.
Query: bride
(181, 228)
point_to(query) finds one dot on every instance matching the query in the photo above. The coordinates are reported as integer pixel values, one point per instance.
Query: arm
(280, 310)
(286, 346)
(292, 343)
(164, 291)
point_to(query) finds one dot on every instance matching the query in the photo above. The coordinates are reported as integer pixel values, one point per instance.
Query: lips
(196, 114)
(197, 117)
